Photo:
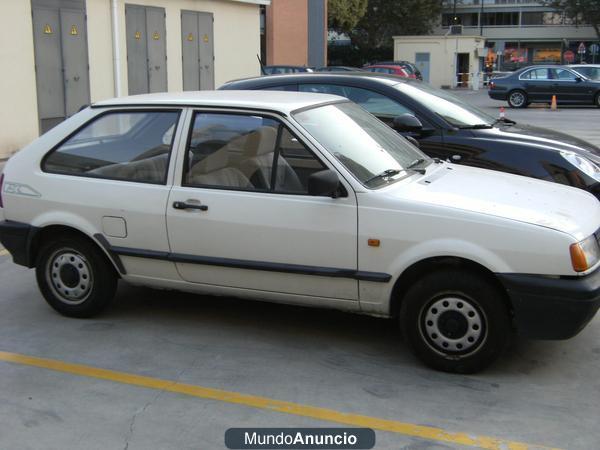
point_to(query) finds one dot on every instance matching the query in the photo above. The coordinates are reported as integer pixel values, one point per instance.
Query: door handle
(184, 205)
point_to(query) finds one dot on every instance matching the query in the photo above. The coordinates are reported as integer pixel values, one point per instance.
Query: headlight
(583, 164)
(585, 254)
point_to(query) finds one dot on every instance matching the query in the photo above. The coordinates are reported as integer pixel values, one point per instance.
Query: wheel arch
(41, 234)
(418, 269)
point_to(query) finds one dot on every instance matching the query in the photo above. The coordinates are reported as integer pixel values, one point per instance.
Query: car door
(538, 84)
(567, 86)
(114, 173)
(385, 109)
(241, 217)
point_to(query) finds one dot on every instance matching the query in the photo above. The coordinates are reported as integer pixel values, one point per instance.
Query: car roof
(583, 65)
(543, 66)
(384, 78)
(284, 102)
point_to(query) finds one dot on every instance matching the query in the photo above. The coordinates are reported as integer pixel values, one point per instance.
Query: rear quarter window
(124, 145)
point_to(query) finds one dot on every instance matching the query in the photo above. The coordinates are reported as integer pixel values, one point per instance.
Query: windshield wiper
(477, 126)
(385, 174)
(416, 163)
(505, 121)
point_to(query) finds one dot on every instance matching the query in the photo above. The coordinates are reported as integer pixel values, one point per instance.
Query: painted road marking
(393, 426)
(3, 251)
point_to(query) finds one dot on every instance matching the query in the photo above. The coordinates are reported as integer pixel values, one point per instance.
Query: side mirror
(323, 183)
(406, 122)
(578, 79)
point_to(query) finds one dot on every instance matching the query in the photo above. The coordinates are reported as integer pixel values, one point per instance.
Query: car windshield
(374, 153)
(450, 108)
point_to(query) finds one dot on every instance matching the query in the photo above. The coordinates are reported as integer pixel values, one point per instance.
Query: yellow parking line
(407, 429)
(3, 252)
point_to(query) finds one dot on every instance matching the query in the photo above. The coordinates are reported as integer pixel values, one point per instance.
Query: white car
(305, 199)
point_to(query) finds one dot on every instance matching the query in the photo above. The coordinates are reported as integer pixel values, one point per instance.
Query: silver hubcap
(453, 325)
(69, 275)
(517, 99)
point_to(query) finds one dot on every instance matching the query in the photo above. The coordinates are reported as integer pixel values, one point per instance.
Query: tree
(387, 18)
(345, 14)
(582, 11)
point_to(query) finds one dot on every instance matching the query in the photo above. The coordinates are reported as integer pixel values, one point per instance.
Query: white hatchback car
(305, 199)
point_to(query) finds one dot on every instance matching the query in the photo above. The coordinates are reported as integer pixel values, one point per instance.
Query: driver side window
(247, 152)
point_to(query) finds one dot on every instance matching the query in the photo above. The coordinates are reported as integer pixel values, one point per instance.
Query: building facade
(294, 33)
(61, 55)
(519, 33)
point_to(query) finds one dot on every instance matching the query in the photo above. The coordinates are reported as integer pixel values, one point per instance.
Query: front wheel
(455, 321)
(597, 100)
(517, 99)
(75, 277)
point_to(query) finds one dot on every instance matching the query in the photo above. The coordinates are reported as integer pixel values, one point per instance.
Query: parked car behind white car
(299, 198)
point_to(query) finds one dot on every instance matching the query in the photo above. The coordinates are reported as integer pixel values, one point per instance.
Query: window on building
(541, 18)
(465, 19)
(499, 19)
(129, 146)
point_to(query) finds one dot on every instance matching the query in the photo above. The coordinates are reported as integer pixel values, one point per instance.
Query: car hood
(500, 194)
(522, 134)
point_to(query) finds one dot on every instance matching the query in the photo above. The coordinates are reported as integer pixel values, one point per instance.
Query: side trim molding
(332, 272)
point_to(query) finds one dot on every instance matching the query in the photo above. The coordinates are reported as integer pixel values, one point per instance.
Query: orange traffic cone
(553, 105)
(502, 113)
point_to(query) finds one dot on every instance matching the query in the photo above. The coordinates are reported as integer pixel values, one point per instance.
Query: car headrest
(215, 161)
(260, 142)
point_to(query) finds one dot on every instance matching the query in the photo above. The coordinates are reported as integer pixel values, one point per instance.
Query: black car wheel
(75, 277)
(597, 100)
(517, 99)
(455, 321)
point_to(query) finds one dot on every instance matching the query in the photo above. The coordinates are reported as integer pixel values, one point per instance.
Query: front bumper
(16, 237)
(552, 308)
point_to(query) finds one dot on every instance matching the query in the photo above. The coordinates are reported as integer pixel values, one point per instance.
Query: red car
(389, 68)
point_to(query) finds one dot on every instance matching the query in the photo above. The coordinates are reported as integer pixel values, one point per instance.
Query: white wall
(236, 44)
(442, 52)
(236, 40)
(18, 99)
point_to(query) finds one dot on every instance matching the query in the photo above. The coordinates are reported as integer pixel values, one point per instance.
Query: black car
(450, 129)
(537, 84)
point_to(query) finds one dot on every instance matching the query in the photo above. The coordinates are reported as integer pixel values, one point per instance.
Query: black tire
(74, 276)
(597, 100)
(455, 321)
(517, 99)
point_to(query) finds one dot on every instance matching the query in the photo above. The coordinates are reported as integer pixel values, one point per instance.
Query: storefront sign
(546, 55)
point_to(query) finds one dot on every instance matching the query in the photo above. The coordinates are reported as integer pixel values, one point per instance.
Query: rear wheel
(517, 99)
(74, 276)
(455, 321)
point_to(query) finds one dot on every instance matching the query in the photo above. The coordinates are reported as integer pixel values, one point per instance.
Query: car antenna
(262, 67)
